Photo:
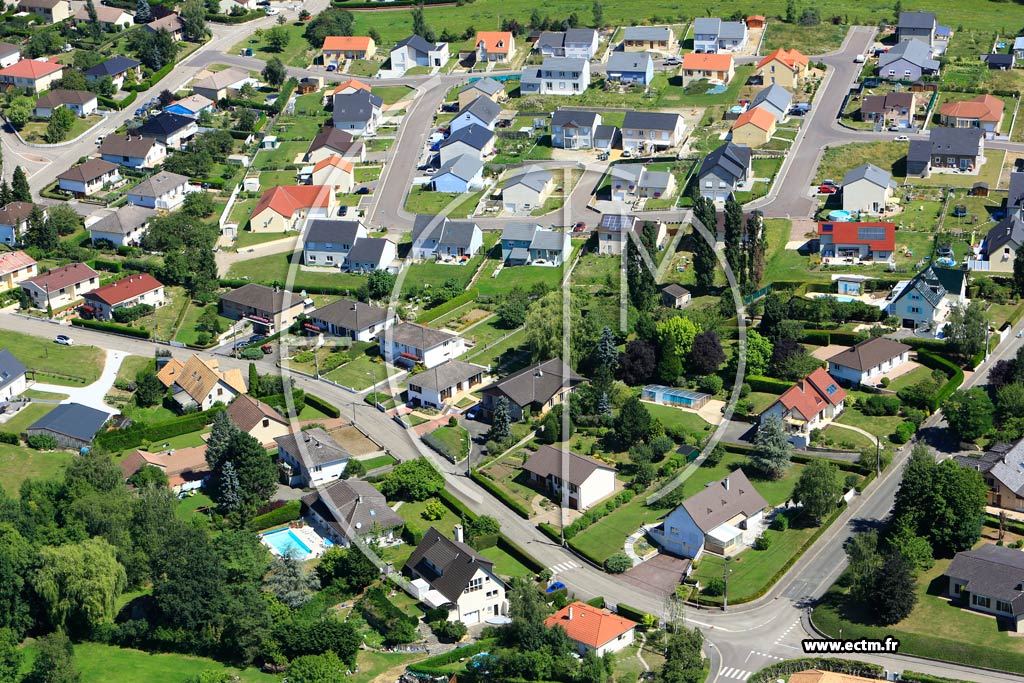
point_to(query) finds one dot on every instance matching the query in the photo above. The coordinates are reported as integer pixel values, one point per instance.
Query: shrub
(780, 522)
(851, 481)
(132, 313)
(618, 563)
(251, 353)
(885, 382)
(880, 405)
(320, 404)
(449, 631)
(304, 357)
(112, 327)
(289, 512)
(9, 437)
(715, 588)
(453, 421)
(710, 384)
(763, 542)
(904, 431)
(42, 442)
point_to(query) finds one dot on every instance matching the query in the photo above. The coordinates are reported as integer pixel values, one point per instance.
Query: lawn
(379, 461)
(811, 40)
(358, 374)
(505, 564)
(910, 378)
(453, 441)
(131, 365)
(164, 318)
(187, 333)
(241, 210)
(607, 536)
(523, 276)
(454, 204)
(363, 67)
(888, 155)
(879, 425)
(284, 155)
(786, 265)
(297, 127)
(392, 93)
(364, 174)
(26, 417)
(504, 357)
(18, 463)
(838, 437)
(690, 421)
(34, 131)
(412, 513)
(431, 274)
(294, 53)
(275, 267)
(247, 238)
(188, 508)
(53, 363)
(989, 173)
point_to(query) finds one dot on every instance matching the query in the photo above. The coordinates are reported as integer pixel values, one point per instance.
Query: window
(492, 594)
(981, 601)
(957, 588)
(1003, 606)
(673, 530)
(475, 585)
(266, 422)
(220, 391)
(915, 309)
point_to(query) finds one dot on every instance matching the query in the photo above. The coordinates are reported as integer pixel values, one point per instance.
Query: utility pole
(878, 457)
(725, 583)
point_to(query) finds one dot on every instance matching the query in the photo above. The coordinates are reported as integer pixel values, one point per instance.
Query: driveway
(659, 575)
(93, 394)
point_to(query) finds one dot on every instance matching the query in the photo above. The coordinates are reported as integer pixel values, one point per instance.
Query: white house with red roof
(860, 241)
(812, 403)
(133, 290)
(334, 171)
(36, 75)
(593, 629)
(15, 266)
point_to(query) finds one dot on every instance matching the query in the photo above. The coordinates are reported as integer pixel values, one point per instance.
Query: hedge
(915, 677)
(979, 358)
(448, 306)
(525, 558)
(232, 19)
(322, 405)
(289, 512)
(782, 670)
(456, 505)
(1011, 525)
(103, 264)
(845, 337)
(435, 666)
(597, 602)
(115, 104)
(9, 437)
(153, 79)
(134, 436)
(631, 613)
(768, 385)
(551, 532)
(498, 492)
(285, 94)
(816, 337)
(955, 374)
(841, 464)
(102, 326)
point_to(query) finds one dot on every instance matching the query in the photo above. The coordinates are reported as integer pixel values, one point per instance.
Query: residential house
(1000, 466)
(53, 11)
(164, 191)
(867, 189)
(347, 510)
(34, 75)
(855, 240)
(711, 35)
(983, 111)
(73, 425)
(199, 383)
(191, 106)
(449, 573)
(532, 391)
(908, 61)
(812, 403)
(134, 290)
(171, 129)
(607, 138)
(483, 111)
(61, 286)
(89, 178)
(580, 43)
(410, 344)
(708, 66)
(613, 232)
(774, 99)
(132, 151)
(332, 141)
(436, 387)
(654, 38)
(557, 76)
(1018, 47)
(446, 240)
(415, 51)
(494, 46)
(532, 245)
(359, 112)
(582, 480)
(334, 171)
(651, 131)
(172, 23)
(1004, 240)
(311, 457)
(16, 266)
(10, 55)
(675, 296)
(123, 227)
(464, 173)
(630, 67)
(754, 128)
(961, 149)
(723, 171)
(925, 300)
(574, 128)
(337, 49)
(999, 62)
(787, 68)
(116, 69)
(107, 17)
(369, 254)
(483, 87)
(918, 26)
(14, 221)
(593, 629)
(329, 241)
(12, 376)
(989, 579)
(221, 84)
(713, 519)
(528, 190)
(81, 102)
(891, 109)
(865, 362)
(270, 309)
(655, 184)
(474, 141)
(285, 206)
(186, 469)
(353, 319)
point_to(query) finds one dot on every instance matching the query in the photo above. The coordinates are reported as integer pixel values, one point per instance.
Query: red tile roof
(31, 68)
(790, 58)
(762, 118)
(983, 107)
(707, 62)
(849, 233)
(351, 83)
(497, 42)
(65, 276)
(589, 625)
(125, 289)
(13, 261)
(287, 199)
(812, 394)
(344, 43)
(333, 160)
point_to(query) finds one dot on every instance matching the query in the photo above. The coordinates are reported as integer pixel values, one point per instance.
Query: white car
(271, 11)
(64, 340)
(902, 138)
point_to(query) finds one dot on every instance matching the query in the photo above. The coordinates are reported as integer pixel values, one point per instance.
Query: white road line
(745, 675)
(727, 672)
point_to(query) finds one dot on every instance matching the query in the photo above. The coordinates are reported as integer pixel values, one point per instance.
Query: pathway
(93, 394)
(869, 435)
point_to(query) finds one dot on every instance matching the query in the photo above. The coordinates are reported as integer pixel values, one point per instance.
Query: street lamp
(725, 583)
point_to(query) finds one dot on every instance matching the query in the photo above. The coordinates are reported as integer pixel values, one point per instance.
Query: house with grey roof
(574, 128)
(569, 477)
(410, 344)
(894, 108)
(473, 140)
(959, 149)
(989, 579)
(712, 35)
(348, 509)
(918, 26)
(675, 296)
(482, 87)
(529, 244)
(133, 151)
(1002, 468)
(531, 391)
(774, 99)
(415, 51)
(723, 171)
(437, 386)
(483, 111)
(580, 43)
(925, 301)
(464, 173)
(651, 131)
(116, 68)
(867, 361)
(358, 112)
(352, 319)
(165, 191)
(311, 457)
(527, 191)
(630, 67)
(173, 130)
(123, 227)
(654, 38)
(369, 254)
(332, 141)
(446, 240)
(867, 189)
(12, 376)
(908, 61)
(81, 102)
(1006, 238)
(556, 76)
(73, 425)
(327, 242)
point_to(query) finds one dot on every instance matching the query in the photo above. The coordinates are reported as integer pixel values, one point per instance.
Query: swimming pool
(839, 215)
(285, 541)
(716, 90)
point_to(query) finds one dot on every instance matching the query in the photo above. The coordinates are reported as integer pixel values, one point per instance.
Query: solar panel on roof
(870, 233)
(831, 389)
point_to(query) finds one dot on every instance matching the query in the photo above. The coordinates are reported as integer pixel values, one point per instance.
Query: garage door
(472, 617)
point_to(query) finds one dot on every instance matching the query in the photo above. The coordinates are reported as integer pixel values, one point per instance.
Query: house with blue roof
(531, 245)
(191, 106)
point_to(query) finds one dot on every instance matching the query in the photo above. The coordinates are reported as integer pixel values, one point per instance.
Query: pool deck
(306, 534)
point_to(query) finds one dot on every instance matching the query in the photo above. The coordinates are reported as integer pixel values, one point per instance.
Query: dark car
(343, 210)
(267, 349)
(257, 338)
(363, 190)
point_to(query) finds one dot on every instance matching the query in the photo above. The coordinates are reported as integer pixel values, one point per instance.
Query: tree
(501, 422)
(63, 220)
(512, 308)
(637, 363)
(791, 360)
(149, 390)
(79, 583)
(551, 427)
(916, 550)
(704, 260)
(61, 121)
(790, 11)
(93, 26)
(544, 327)
(734, 239)
(864, 560)
(19, 112)
(606, 353)
(380, 284)
(148, 475)
(290, 582)
(254, 380)
(684, 659)
(11, 656)
(967, 329)
(819, 489)
(143, 13)
(634, 423)
(772, 449)
(969, 413)
(193, 19)
(419, 25)
(682, 331)
(331, 22)
(757, 245)
(166, 98)
(54, 662)
(325, 668)
(347, 568)
(20, 191)
(246, 122)
(597, 13)
(278, 39)
(640, 280)
(759, 353)
(412, 480)
(17, 556)
(90, 472)
(894, 591)
(41, 233)
(706, 355)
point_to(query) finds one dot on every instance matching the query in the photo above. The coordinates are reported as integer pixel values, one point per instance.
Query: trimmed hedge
(103, 326)
(231, 19)
(103, 264)
(915, 677)
(286, 92)
(845, 337)
(322, 405)
(439, 664)
(551, 532)
(448, 306)
(816, 337)
(289, 512)
(114, 104)
(955, 374)
(485, 481)
(524, 558)
(456, 505)
(768, 385)
(9, 438)
(979, 358)
(134, 436)
(631, 613)
(791, 666)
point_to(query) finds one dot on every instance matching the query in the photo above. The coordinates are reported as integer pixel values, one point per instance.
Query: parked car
(343, 210)
(332, 67)
(827, 189)
(64, 340)
(579, 227)
(267, 349)
(257, 338)
(626, 154)
(902, 138)
(271, 11)
(672, 61)
(830, 183)
(363, 190)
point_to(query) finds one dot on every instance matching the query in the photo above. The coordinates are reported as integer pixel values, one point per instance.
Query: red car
(827, 189)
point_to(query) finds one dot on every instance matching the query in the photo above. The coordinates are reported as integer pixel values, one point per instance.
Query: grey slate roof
(59, 96)
(717, 503)
(675, 291)
(869, 353)
(535, 384)
(519, 232)
(647, 33)
(73, 420)
(871, 173)
(162, 182)
(456, 563)
(568, 64)
(534, 179)
(10, 368)
(1001, 61)
(474, 135)
(920, 150)
(262, 298)
(484, 108)
(650, 120)
(993, 571)
(580, 36)
(934, 283)
(1009, 231)
(775, 97)
(352, 315)
(367, 250)
(447, 374)
(417, 43)
(549, 460)
(916, 20)
(127, 145)
(361, 507)
(332, 138)
(445, 231)
(488, 86)
(955, 141)
(548, 239)
(1003, 462)
(324, 230)
(706, 25)
(165, 123)
(732, 30)
(575, 117)
(113, 66)
(550, 39)
(732, 159)
(356, 106)
(655, 179)
(417, 336)
(312, 447)
(463, 167)
(125, 220)
(629, 61)
(914, 51)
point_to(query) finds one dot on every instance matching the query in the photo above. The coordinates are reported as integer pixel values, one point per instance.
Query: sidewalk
(93, 394)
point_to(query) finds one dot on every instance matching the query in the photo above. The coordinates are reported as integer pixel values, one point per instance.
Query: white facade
(14, 388)
(870, 375)
(410, 353)
(320, 474)
(865, 196)
(482, 599)
(105, 311)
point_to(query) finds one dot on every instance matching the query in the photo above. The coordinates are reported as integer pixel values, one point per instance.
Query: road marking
(563, 567)
(763, 654)
(738, 674)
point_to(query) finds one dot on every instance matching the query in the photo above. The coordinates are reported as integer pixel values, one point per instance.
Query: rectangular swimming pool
(285, 541)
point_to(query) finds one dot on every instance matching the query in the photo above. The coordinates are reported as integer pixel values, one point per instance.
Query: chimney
(725, 483)
(457, 532)
(570, 612)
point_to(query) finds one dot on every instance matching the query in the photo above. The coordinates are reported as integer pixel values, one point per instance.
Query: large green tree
(969, 413)
(966, 329)
(634, 423)
(772, 449)
(54, 661)
(11, 656)
(684, 657)
(639, 278)
(704, 260)
(894, 591)
(17, 557)
(330, 22)
(819, 489)
(734, 254)
(79, 583)
(412, 480)
(193, 18)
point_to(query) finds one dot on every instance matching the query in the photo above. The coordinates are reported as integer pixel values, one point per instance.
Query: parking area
(659, 575)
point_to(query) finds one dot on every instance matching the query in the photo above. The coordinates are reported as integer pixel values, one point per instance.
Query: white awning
(725, 533)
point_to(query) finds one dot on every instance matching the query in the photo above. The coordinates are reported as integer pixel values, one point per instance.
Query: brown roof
(876, 104)
(60, 96)
(175, 463)
(13, 261)
(127, 146)
(548, 460)
(535, 384)
(456, 562)
(197, 377)
(65, 276)
(170, 23)
(869, 353)
(262, 298)
(104, 14)
(15, 213)
(8, 49)
(48, 4)
(247, 412)
(125, 289)
(722, 500)
(90, 170)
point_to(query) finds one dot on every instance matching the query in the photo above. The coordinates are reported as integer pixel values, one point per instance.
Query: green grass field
(359, 373)
(607, 536)
(275, 267)
(453, 204)
(690, 421)
(18, 463)
(295, 53)
(26, 416)
(505, 564)
(73, 365)
(454, 440)
(392, 93)
(890, 156)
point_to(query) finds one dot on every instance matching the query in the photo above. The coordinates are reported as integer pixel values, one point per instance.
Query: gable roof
(710, 61)
(675, 291)
(791, 58)
(819, 676)
(535, 384)
(488, 86)
(60, 96)
(757, 117)
(417, 43)
(165, 123)
(10, 368)
(854, 232)
(869, 353)
(992, 570)
(90, 170)
(104, 14)
(627, 61)
(262, 298)
(73, 420)
(498, 42)
(114, 66)
(127, 146)
(877, 104)
(1010, 230)
(657, 33)
(312, 447)
(326, 230)
(445, 231)
(547, 460)
(362, 508)
(245, 412)
(197, 377)
(12, 261)
(519, 232)
(955, 141)
(773, 97)
(15, 213)
(332, 138)
(933, 283)
(417, 336)
(920, 151)
(287, 199)
(870, 173)
(171, 23)
(474, 135)
(912, 50)
(464, 167)
(722, 500)
(810, 395)
(334, 161)
(64, 276)
(353, 83)
(174, 463)
(32, 68)
(591, 626)
(124, 289)
(368, 250)
(574, 117)
(985, 108)
(916, 20)
(533, 178)
(447, 374)
(352, 315)
(730, 158)
(343, 43)
(456, 563)
(159, 184)
(356, 106)
(999, 60)
(221, 79)
(650, 120)
(484, 108)
(1003, 462)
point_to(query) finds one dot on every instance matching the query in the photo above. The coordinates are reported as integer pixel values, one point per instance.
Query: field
(19, 463)
(454, 204)
(607, 536)
(26, 417)
(690, 421)
(275, 268)
(813, 40)
(34, 131)
(294, 53)
(890, 156)
(53, 363)
(505, 564)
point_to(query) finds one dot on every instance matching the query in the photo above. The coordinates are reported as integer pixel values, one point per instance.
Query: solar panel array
(873, 233)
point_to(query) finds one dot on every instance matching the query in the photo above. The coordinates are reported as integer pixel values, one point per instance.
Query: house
(589, 481)
(186, 468)
(415, 51)
(593, 629)
(908, 61)
(475, 141)
(630, 67)
(713, 519)
(311, 457)
(494, 46)
(435, 387)
(123, 227)
(613, 232)
(916, 25)
(345, 510)
(73, 425)
(580, 43)
(861, 241)
(961, 149)
(282, 208)
(983, 111)
(643, 38)
(1004, 240)
(707, 66)
(257, 419)
(532, 391)
(133, 290)
(1000, 467)
(81, 102)
(334, 171)
(332, 141)
(1018, 47)
(711, 35)
(651, 130)
(328, 241)
(171, 129)
(574, 128)
(164, 191)
(199, 383)
(34, 75)
(867, 189)
(891, 109)
(866, 361)
(116, 69)
(447, 240)
(607, 138)
(9, 55)
(756, 21)
(172, 23)
(557, 76)
(12, 376)
(528, 190)
(107, 17)
(61, 286)
(221, 84)
(774, 99)
(89, 178)
(54, 11)
(359, 112)
(464, 173)
(483, 111)
(449, 573)
(132, 151)
(754, 128)
(410, 344)
(812, 403)
(353, 319)
(787, 68)
(268, 308)
(926, 300)
(16, 266)
(532, 245)
(998, 61)
(191, 106)
(654, 184)
(723, 171)
(14, 221)
(989, 579)
(369, 254)
(675, 296)
(337, 49)
(484, 87)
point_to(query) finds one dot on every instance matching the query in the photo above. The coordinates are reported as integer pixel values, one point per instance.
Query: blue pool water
(716, 90)
(839, 215)
(844, 299)
(285, 541)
